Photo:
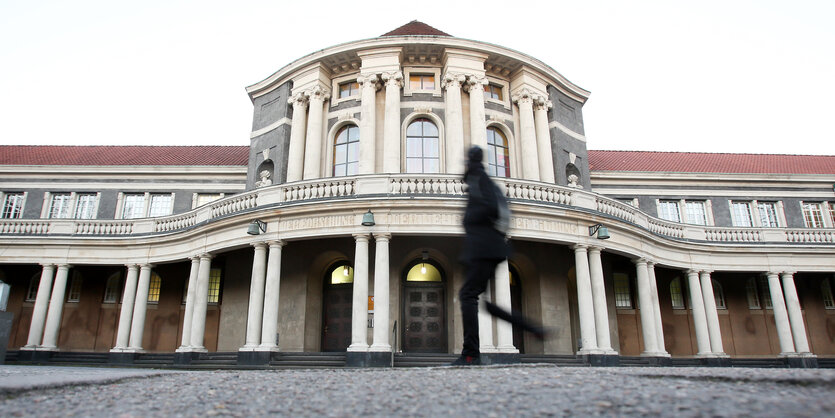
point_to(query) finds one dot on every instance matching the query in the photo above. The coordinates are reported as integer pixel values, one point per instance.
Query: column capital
(541, 103)
(146, 266)
(596, 248)
(64, 265)
(368, 80)
(787, 273)
(275, 243)
(206, 256)
(651, 263)
(640, 260)
(380, 236)
(45, 265)
(298, 99)
(692, 272)
(475, 82)
(523, 96)
(318, 92)
(453, 80)
(578, 247)
(705, 271)
(260, 244)
(392, 78)
(361, 237)
(772, 273)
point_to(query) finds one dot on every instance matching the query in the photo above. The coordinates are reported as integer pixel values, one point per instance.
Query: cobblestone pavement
(493, 391)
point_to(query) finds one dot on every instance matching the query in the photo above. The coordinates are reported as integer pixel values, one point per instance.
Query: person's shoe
(466, 361)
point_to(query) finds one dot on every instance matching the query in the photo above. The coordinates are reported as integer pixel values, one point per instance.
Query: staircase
(72, 358)
(283, 360)
(769, 363)
(155, 360)
(567, 360)
(423, 359)
(218, 360)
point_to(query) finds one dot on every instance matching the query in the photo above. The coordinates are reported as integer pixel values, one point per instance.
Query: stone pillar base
(368, 359)
(715, 361)
(121, 357)
(601, 360)
(184, 358)
(380, 348)
(500, 358)
(801, 362)
(34, 355)
(254, 358)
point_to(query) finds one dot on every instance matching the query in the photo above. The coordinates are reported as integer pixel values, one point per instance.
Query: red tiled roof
(123, 155)
(703, 162)
(416, 28)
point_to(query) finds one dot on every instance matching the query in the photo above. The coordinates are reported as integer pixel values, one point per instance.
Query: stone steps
(559, 360)
(307, 360)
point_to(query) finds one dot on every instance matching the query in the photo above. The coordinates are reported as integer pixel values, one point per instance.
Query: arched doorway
(424, 313)
(337, 297)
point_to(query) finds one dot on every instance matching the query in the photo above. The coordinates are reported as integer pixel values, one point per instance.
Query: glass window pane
(112, 289)
(86, 206)
(429, 129)
(826, 293)
(413, 147)
(668, 209)
(12, 205)
(718, 295)
(214, 286)
(768, 214)
(339, 170)
(675, 294)
(60, 205)
(430, 148)
(352, 169)
(812, 216)
(353, 152)
(751, 291)
(353, 133)
(696, 213)
(414, 129)
(154, 289)
(340, 154)
(490, 136)
(431, 166)
(32, 292)
(341, 136)
(429, 82)
(413, 165)
(161, 205)
(414, 82)
(623, 294)
(133, 206)
(491, 170)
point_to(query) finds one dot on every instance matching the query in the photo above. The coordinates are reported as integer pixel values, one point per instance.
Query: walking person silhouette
(486, 221)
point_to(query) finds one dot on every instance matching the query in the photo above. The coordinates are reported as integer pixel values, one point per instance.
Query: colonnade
(306, 131)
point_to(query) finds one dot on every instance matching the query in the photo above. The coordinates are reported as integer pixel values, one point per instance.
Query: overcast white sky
(716, 76)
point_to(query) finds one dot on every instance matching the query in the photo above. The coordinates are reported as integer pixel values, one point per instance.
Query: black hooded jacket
(483, 241)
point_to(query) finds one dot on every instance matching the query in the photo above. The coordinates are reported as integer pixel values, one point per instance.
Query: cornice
(558, 80)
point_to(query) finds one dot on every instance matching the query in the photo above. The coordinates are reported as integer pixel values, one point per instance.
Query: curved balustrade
(412, 184)
(32, 227)
(104, 227)
(733, 234)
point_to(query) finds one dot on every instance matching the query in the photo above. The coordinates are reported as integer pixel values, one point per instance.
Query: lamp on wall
(601, 231)
(256, 227)
(368, 219)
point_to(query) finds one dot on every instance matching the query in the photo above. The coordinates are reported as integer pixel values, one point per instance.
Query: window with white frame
(32, 291)
(64, 205)
(753, 294)
(113, 288)
(768, 214)
(741, 214)
(812, 214)
(140, 205)
(60, 205)
(676, 294)
(154, 288)
(826, 293)
(831, 214)
(498, 156)
(695, 212)
(161, 204)
(349, 89)
(86, 205)
(493, 91)
(201, 199)
(423, 151)
(346, 151)
(421, 82)
(623, 291)
(133, 205)
(12, 205)
(74, 294)
(669, 210)
(214, 286)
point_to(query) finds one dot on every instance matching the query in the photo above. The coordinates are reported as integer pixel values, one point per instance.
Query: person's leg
(478, 275)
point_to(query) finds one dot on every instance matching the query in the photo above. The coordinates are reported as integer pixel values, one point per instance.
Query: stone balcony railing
(438, 185)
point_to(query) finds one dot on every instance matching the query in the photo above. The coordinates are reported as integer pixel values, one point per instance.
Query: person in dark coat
(485, 246)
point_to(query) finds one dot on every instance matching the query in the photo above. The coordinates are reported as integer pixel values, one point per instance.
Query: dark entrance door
(336, 321)
(516, 306)
(424, 318)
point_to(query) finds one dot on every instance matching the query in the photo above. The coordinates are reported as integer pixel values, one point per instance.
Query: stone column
(699, 317)
(454, 123)
(41, 304)
(269, 325)
(543, 139)
(140, 308)
(295, 155)
(585, 301)
(781, 317)
(530, 159)
(256, 296)
(368, 123)
(598, 293)
(359, 318)
(504, 330)
(485, 325)
(313, 136)
(795, 314)
(391, 123)
(381, 294)
(56, 308)
(126, 314)
(191, 295)
(711, 314)
(647, 312)
(201, 301)
(656, 309)
(478, 125)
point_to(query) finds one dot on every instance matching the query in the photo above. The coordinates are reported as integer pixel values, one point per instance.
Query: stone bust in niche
(265, 179)
(573, 181)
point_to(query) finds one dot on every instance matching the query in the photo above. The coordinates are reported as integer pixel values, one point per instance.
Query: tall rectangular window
(32, 292)
(421, 82)
(214, 286)
(676, 295)
(161, 205)
(493, 91)
(696, 212)
(154, 288)
(668, 209)
(351, 88)
(74, 295)
(133, 206)
(765, 292)
(623, 292)
(60, 205)
(12, 205)
(741, 214)
(753, 295)
(812, 214)
(832, 213)
(85, 207)
(768, 214)
(826, 293)
(112, 288)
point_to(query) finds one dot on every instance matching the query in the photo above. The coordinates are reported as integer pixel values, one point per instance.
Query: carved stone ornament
(265, 179)
(393, 78)
(266, 154)
(573, 181)
(422, 109)
(453, 80)
(319, 93)
(368, 81)
(523, 96)
(542, 103)
(476, 82)
(300, 98)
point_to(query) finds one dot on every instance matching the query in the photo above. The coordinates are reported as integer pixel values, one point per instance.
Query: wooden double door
(424, 318)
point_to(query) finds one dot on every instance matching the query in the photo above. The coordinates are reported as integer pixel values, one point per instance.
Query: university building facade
(339, 228)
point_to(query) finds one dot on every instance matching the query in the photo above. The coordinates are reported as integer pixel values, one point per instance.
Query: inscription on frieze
(542, 225)
(426, 219)
(317, 222)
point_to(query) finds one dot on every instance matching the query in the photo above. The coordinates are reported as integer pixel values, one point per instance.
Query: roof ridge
(715, 153)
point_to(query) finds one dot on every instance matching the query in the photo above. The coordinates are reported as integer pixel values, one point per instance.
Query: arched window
(346, 151)
(498, 158)
(423, 151)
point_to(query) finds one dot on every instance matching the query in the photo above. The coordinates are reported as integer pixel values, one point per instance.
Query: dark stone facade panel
(563, 145)
(348, 104)
(497, 107)
(272, 107)
(566, 111)
(278, 142)
(422, 97)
